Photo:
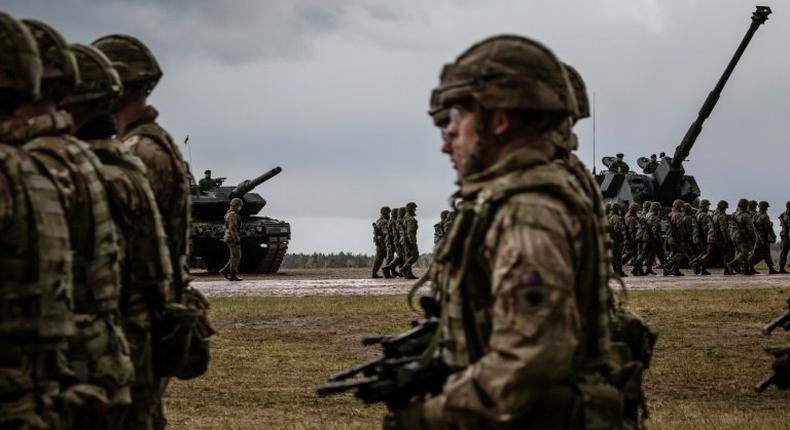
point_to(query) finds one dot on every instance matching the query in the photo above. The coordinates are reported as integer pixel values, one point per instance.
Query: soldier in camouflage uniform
(509, 264)
(379, 240)
(764, 237)
(400, 228)
(722, 224)
(393, 229)
(411, 250)
(631, 221)
(619, 166)
(99, 352)
(232, 239)
(438, 228)
(742, 234)
(705, 233)
(617, 233)
(655, 244)
(146, 288)
(784, 234)
(35, 285)
(389, 242)
(679, 238)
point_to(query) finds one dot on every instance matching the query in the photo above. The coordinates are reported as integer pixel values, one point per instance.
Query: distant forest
(320, 260)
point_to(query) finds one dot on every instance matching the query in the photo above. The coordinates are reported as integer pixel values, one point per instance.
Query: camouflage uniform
(705, 232)
(764, 237)
(742, 234)
(99, 352)
(389, 243)
(438, 228)
(619, 166)
(721, 223)
(631, 222)
(36, 288)
(394, 232)
(617, 232)
(784, 234)
(655, 246)
(146, 287)
(232, 239)
(524, 255)
(679, 238)
(379, 239)
(410, 248)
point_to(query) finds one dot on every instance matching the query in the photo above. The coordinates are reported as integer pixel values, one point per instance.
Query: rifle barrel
(765, 383)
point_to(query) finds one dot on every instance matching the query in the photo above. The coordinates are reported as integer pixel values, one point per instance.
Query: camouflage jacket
(784, 224)
(523, 256)
(721, 223)
(232, 226)
(380, 231)
(706, 227)
(764, 228)
(742, 225)
(617, 227)
(410, 230)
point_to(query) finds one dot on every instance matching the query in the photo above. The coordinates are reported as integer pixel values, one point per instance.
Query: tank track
(275, 252)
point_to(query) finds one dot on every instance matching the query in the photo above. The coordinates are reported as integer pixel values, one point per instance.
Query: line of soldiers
(442, 228)
(395, 238)
(696, 238)
(97, 312)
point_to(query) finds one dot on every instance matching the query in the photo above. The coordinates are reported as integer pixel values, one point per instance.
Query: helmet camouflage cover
(743, 203)
(135, 63)
(655, 206)
(59, 65)
(411, 206)
(236, 202)
(764, 204)
(722, 204)
(384, 210)
(704, 203)
(98, 79)
(20, 63)
(634, 207)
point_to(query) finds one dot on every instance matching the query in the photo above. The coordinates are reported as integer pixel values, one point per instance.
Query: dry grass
(272, 352)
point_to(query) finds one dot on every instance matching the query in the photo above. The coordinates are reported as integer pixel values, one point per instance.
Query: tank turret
(666, 180)
(264, 240)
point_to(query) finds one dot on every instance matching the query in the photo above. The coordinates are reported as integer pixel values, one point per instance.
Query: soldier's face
(461, 138)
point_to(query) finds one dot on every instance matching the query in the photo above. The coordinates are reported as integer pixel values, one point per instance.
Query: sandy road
(332, 282)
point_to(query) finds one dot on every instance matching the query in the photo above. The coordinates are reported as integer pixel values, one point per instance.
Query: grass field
(271, 353)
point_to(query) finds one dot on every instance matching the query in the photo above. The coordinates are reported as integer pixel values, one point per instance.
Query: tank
(665, 179)
(264, 240)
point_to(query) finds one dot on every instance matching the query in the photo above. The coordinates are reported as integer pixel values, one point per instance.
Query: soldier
(784, 234)
(35, 261)
(655, 248)
(651, 165)
(389, 242)
(511, 245)
(402, 246)
(742, 234)
(678, 238)
(206, 183)
(447, 224)
(379, 240)
(619, 166)
(438, 228)
(146, 287)
(617, 234)
(630, 222)
(411, 250)
(393, 228)
(705, 233)
(232, 238)
(99, 352)
(721, 223)
(764, 237)
(752, 208)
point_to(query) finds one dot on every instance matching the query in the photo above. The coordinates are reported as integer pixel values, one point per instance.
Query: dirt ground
(277, 344)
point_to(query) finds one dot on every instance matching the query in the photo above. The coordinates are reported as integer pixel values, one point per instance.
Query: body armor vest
(94, 241)
(146, 270)
(35, 287)
(177, 219)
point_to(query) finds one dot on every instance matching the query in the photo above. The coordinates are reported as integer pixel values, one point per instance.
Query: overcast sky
(336, 92)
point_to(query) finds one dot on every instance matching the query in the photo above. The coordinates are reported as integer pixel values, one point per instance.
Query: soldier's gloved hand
(408, 418)
(86, 397)
(781, 366)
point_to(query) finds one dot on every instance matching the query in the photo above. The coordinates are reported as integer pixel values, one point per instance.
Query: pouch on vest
(603, 406)
(181, 338)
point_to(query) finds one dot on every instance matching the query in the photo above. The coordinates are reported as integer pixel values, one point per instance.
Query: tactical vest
(466, 317)
(94, 239)
(784, 223)
(35, 286)
(146, 270)
(178, 219)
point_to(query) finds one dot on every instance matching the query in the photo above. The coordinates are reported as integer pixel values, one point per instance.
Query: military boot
(375, 276)
(747, 270)
(704, 271)
(650, 271)
(233, 277)
(225, 272)
(409, 274)
(771, 270)
(782, 270)
(387, 273)
(676, 271)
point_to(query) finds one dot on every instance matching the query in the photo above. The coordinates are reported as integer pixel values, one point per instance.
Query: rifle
(401, 373)
(782, 321)
(765, 383)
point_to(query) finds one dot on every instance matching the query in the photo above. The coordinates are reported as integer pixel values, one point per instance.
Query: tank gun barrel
(249, 184)
(759, 16)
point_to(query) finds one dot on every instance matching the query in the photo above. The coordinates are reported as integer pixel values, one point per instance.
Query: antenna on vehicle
(189, 149)
(593, 131)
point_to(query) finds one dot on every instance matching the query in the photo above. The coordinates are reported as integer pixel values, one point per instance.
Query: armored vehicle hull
(264, 240)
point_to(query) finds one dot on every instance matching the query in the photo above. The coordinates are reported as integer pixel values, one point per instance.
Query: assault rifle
(782, 321)
(401, 373)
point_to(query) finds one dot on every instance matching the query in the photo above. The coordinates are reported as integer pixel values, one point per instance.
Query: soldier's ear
(501, 122)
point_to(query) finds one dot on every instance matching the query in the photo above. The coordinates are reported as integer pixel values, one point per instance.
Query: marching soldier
(678, 238)
(379, 240)
(438, 228)
(631, 221)
(721, 223)
(617, 233)
(394, 229)
(705, 232)
(742, 234)
(764, 237)
(411, 250)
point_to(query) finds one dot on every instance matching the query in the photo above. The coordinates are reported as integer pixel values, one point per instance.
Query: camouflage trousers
(762, 252)
(234, 251)
(617, 256)
(783, 253)
(378, 259)
(681, 252)
(743, 251)
(30, 387)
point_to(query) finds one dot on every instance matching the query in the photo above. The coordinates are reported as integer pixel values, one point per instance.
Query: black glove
(408, 418)
(781, 366)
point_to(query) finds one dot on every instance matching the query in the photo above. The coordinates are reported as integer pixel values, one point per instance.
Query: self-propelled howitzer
(667, 180)
(264, 240)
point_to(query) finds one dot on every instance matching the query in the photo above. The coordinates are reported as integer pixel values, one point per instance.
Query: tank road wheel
(277, 247)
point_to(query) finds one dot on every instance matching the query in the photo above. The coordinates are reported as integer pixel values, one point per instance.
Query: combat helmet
(236, 203)
(20, 68)
(411, 206)
(764, 205)
(722, 204)
(646, 205)
(752, 205)
(656, 206)
(385, 210)
(787, 205)
(99, 82)
(439, 113)
(704, 204)
(633, 208)
(508, 72)
(60, 73)
(579, 91)
(743, 203)
(135, 63)
(678, 204)
(617, 207)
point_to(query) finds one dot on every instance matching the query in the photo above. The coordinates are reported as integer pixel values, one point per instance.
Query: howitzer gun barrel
(249, 184)
(682, 151)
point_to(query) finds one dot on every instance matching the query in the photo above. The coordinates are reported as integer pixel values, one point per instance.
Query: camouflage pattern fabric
(764, 237)
(617, 232)
(721, 224)
(380, 242)
(232, 239)
(784, 235)
(742, 234)
(410, 247)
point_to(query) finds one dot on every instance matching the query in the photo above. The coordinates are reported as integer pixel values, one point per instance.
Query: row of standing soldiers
(686, 237)
(97, 315)
(395, 237)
